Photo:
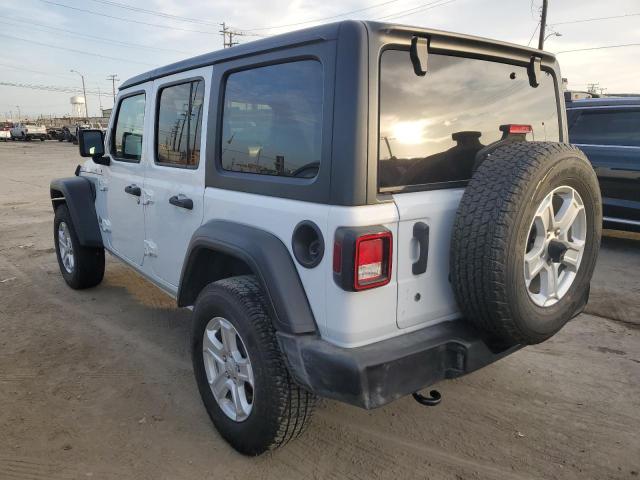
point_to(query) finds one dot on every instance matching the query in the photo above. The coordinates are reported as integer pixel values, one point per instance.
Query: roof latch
(534, 71)
(419, 55)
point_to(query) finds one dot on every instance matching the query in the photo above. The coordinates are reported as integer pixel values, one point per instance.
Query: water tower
(77, 106)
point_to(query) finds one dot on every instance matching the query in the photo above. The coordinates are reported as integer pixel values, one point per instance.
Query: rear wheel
(81, 267)
(244, 383)
(526, 239)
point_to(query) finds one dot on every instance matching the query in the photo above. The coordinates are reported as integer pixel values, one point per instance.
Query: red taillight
(337, 258)
(372, 261)
(362, 257)
(516, 129)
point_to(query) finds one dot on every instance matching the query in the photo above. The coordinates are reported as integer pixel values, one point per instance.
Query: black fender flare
(79, 195)
(267, 257)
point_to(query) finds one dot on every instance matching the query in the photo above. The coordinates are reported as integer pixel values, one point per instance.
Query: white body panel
(123, 212)
(426, 298)
(168, 228)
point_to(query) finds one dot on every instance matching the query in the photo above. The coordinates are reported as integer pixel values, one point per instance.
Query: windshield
(432, 127)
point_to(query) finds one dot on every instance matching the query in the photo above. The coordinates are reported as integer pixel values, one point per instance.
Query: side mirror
(91, 144)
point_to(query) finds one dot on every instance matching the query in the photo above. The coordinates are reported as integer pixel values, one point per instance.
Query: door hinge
(147, 197)
(150, 249)
(105, 224)
(103, 185)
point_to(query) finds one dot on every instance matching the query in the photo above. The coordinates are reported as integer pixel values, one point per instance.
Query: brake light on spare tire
(362, 257)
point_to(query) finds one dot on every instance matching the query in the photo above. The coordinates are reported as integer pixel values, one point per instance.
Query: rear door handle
(133, 190)
(421, 234)
(181, 201)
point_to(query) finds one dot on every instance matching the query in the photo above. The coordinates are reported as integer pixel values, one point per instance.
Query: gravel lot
(98, 384)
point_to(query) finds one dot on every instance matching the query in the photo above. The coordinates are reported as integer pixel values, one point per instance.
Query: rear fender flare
(268, 259)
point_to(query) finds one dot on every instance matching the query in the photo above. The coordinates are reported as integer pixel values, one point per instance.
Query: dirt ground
(98, 384)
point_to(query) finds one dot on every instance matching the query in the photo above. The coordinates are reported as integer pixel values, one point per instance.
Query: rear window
(432, 127)
(272, 120)
(605, 127)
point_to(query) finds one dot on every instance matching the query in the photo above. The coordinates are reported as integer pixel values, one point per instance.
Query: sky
(42, 40)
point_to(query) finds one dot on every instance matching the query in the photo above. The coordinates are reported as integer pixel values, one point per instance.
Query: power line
(156, 13)
(82, 52)
(596, 19)
(412, 11)
(351, 12)
(47, 88)
(100, 14)
(533, 34)
(100, 39)
(600, 48)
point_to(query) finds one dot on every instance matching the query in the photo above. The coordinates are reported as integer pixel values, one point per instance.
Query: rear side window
(179, 124)
(126, 142)
(272, 120)
(432, 127)
(606, 127)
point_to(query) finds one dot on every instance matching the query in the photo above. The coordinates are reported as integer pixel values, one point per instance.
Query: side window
(126, 139)
(179, 124)
(595, 127)
(272, 120)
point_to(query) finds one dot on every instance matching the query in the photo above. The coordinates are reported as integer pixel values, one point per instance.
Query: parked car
(28, 131)
(608, 131)
(54, 133)
(260, 186)
(5, 131)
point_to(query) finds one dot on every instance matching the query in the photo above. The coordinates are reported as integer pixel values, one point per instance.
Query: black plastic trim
(79, 195)
(267, 257)
(374, 375)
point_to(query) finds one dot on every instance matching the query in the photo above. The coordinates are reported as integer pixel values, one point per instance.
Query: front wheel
(244, 383)
(81, 267)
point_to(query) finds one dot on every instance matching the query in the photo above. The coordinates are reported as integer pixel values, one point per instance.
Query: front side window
(126, 143)
(272, 120)
(179, 124)
(606, 127)
(432, 127)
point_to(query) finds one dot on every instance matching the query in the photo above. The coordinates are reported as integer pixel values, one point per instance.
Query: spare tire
(525, 240)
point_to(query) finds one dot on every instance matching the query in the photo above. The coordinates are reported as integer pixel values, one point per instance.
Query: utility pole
(84, 92)
(592, 87)
(228, 33)
(114, 78)
(100, 99)
(19, 114)
(543, 23)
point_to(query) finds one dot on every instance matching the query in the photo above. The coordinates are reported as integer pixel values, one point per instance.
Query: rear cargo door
(432, 129)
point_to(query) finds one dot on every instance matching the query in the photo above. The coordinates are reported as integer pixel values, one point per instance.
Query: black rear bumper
(376, 374)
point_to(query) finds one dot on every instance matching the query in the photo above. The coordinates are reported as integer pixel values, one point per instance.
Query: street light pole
(19, 114)
(543, 24)
(84, 92)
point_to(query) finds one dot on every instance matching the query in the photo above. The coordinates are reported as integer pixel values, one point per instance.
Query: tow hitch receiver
(432, 400)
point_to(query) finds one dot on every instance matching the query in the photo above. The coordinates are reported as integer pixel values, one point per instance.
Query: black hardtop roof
(603, 102)
(319, 33)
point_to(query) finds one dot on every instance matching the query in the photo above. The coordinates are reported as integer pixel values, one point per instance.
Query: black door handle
(181, 201)
(421, 233)
(133, 190)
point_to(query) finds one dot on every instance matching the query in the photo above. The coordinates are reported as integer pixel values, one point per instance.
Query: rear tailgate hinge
(419, 54)
(534, 70)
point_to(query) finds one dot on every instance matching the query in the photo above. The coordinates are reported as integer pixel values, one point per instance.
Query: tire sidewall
(572, 170)
(261, 424)
(62, 215)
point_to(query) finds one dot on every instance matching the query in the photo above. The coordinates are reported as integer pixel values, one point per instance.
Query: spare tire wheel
(525, 240)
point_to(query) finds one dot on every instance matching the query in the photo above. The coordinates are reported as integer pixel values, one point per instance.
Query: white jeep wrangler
(354, 211)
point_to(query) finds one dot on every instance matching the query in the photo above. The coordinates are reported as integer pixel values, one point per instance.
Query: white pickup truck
(28, 131)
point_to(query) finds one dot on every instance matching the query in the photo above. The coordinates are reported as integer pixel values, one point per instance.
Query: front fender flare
(268, 258)
(79, 195)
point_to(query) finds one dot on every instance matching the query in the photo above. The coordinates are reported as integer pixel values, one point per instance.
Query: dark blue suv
(608, 131)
